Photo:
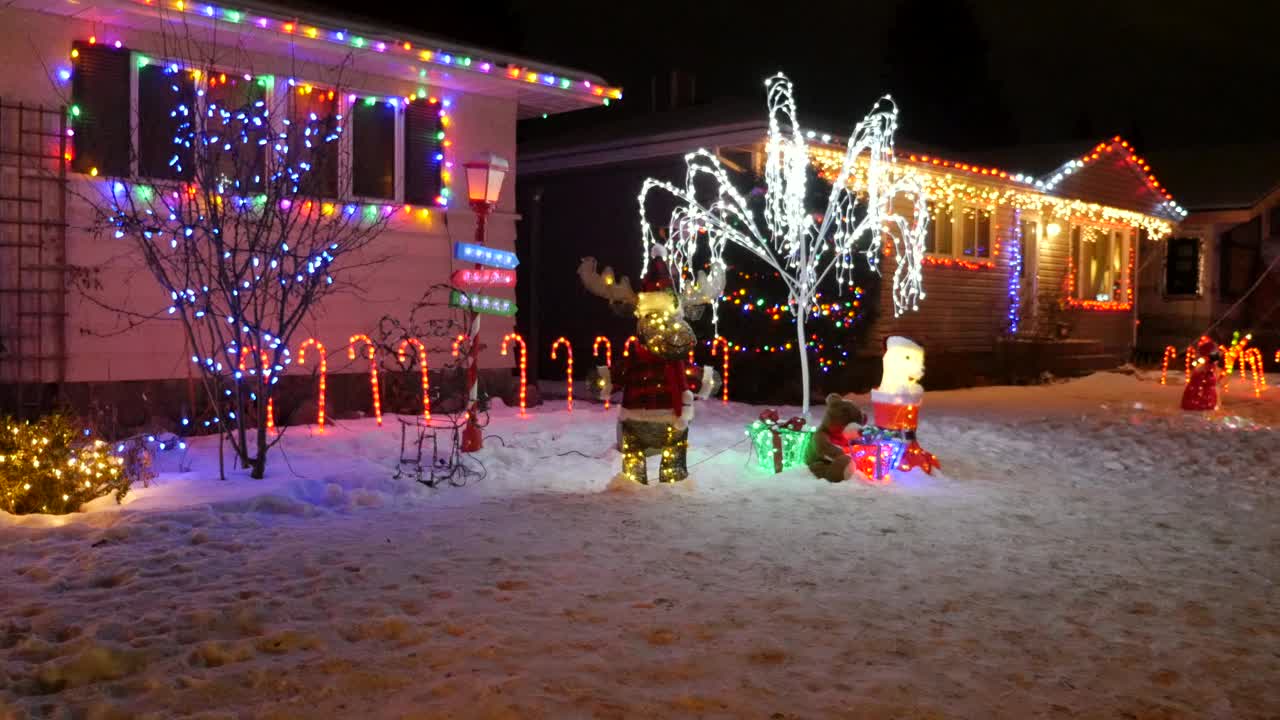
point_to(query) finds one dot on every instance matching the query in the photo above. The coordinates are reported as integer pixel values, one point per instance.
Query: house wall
(411, 255)
(1177, 320)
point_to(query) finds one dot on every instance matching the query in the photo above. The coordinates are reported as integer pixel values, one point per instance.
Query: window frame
(1198, 240)
(350, 102)
(957, 210)
(1075, 247)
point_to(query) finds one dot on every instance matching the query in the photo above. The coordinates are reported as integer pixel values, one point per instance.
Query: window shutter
(423, 134)
(166, 102)
(317, 164)
(373, 150)
(100, 101)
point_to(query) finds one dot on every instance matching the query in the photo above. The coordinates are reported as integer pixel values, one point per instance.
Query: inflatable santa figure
(1201, 392)
(896, 405)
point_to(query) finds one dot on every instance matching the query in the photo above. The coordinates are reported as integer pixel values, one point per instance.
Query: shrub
(53, 466)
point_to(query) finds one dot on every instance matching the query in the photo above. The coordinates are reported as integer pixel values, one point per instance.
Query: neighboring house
(1213, 272)
(430, 105)
(1022, 273)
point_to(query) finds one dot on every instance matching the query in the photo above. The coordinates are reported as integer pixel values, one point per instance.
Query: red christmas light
(1169, 352)
(723, 344)
(266, 372)
(608, 357)
(422, 364)
(568, 364)
(324, 369)
(524, 364)
(373, 371)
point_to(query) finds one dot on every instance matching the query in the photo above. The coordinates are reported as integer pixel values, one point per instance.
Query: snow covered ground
(1090, 552)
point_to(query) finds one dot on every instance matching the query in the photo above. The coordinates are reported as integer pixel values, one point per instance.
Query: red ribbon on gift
(770, 418)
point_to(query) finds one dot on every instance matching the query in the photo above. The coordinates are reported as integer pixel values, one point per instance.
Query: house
(1219, 268)
(1024, 272)
(79, 105)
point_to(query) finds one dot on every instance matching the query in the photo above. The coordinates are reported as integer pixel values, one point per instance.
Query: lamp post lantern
(484, 184)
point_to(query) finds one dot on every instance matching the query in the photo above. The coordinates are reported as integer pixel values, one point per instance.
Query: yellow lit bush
(54, 466)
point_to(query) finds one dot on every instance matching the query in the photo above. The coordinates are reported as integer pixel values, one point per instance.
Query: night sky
(966, 74)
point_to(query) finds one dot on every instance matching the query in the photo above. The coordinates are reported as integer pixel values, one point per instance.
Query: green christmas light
(794, 444)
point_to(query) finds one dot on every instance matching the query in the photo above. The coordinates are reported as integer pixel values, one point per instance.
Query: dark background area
(968, 74)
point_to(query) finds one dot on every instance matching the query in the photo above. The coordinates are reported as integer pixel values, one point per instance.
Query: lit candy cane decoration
(608, 357)
(568, 348)
(422, 363)
(626, 346)
(1170, 352)
(1253, 359)
(723, 344)
(373, 371)
(1190, 358)
(457, 344)
(324, 369)
(266, 372)
(524, 364)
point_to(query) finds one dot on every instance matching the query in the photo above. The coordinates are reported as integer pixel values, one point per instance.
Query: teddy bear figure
(828, 453)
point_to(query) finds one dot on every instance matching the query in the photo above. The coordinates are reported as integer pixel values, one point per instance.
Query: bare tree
(241, 238)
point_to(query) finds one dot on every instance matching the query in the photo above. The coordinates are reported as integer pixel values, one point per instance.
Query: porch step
(1075, 365)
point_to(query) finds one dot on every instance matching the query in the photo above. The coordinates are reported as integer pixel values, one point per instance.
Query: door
(1029, 224)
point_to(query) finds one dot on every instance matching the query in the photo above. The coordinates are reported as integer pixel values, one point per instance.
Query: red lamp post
(484, 183)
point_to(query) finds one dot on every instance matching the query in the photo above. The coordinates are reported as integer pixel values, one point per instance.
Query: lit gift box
(779, 445)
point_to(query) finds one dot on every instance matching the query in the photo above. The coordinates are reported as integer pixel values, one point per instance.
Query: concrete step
(1074, 365)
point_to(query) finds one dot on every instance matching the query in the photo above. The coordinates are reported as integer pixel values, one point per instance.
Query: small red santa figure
(1201, 392)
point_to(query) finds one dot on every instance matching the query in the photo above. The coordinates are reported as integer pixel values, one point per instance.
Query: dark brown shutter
(373, 150)
(422, 153)
(100, 102)
(166, 108)
(321, 180)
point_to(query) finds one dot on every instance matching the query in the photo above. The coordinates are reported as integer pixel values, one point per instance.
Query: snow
(1089, 552)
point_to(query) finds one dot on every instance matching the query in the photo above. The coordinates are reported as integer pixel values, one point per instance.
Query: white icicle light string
(802, 249)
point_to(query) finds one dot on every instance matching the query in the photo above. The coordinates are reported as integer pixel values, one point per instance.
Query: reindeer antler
(615, 290)
(706, 288)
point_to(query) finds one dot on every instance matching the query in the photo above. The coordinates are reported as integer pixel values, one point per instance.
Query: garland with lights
(52, 466)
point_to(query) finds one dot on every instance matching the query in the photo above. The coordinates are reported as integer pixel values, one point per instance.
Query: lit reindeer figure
(657, 398)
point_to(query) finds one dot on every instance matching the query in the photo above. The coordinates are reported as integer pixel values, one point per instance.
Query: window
(373, 150)
(313, 140)
(238, 133)
(423, 134)
(166, 108)
(1239, 248)
(1182, 266)
(100, 102)
(960, 231)
(1100, 257)
(937, 239)
(1030, 230)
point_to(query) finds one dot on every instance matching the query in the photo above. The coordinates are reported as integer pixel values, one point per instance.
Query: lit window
(1100, 258)
(963, 231)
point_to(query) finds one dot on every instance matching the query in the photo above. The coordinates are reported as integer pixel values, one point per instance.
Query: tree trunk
(804, 359)
(260, 458)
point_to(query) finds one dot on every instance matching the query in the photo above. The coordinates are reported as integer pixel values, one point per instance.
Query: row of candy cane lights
(402, 355)
(719, 343)
(370, 351)
(1248, 358)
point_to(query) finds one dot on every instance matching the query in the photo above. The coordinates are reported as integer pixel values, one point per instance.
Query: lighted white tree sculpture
(803, 248)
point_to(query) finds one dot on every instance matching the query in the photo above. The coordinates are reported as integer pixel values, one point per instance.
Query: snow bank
(1090, 551)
